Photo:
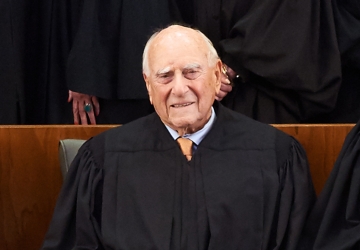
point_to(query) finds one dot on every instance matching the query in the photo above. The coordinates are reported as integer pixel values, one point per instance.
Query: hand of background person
(226, 82)
(79, 101)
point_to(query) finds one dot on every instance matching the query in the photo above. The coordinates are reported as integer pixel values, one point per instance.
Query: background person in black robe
(35, 42)
(12, 101)
(247, 185)
(104, 65)
(285, 51)
(334, 223)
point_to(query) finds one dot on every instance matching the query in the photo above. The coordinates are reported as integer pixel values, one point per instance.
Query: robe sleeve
(74, 224)
(297, 196)
(291, 45)
(334, 223)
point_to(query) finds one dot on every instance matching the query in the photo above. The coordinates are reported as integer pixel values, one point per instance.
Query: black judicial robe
(285, 50)
(35, 40)
(334, 222)
(247, 187)
(12, 101)
(106, 54)
(347, 25)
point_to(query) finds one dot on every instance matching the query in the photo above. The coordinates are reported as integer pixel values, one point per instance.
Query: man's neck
(197, 136)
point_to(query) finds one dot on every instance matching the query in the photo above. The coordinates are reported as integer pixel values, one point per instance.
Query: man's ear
(218, 73)
(148, 87)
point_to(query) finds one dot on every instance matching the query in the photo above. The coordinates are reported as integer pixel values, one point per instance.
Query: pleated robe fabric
(334, 223)
(35, 41)
(12, 100)
(285, 51)
(247, 187)
(347, 26)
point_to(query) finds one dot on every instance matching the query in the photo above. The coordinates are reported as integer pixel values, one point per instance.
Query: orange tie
(186, 147)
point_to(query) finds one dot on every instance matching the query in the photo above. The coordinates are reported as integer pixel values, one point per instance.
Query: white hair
(212, 55)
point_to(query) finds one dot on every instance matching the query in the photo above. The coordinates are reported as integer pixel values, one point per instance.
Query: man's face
(181, 85)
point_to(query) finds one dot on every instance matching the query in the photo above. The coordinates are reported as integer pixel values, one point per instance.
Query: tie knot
(186, 147)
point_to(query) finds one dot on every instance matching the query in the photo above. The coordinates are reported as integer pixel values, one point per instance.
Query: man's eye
(192, 74)
(164, 78)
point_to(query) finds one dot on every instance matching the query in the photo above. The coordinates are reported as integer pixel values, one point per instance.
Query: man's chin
(187, 124)
(181, 122)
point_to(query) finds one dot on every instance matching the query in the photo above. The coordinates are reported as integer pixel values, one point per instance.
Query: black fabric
(347, 109)
(105, 59)
(12, 101)
(122, 111)
(49, 46)
(106, 55)
(347, 23)
(247, 187)
(35, 39)
(286, 52)
(334, 223)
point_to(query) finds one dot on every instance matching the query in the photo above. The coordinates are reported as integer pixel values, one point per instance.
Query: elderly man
(241, 184)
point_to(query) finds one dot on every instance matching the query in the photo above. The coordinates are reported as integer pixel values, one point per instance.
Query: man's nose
(180, 86)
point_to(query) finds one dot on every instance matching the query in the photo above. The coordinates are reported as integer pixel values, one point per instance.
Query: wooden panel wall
(322, 144)
(30, 177)
(30, 180)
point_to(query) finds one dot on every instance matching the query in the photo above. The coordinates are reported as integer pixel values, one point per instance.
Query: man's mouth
(181, 105)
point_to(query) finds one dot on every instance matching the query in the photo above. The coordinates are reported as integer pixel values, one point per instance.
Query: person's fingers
(96, 105)
(70, 96)
(226, 87)
(83, 117)
(225, 80)
(224, 90)
(79, 101)
(76, 112)
(231, 73)
(220, 95)
(82, 102)
(91, 117)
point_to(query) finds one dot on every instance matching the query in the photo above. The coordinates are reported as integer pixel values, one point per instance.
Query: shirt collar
(198, 136)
